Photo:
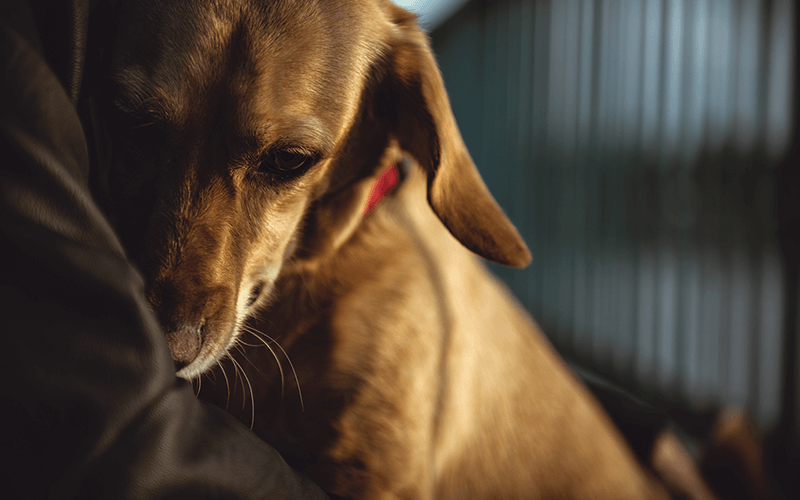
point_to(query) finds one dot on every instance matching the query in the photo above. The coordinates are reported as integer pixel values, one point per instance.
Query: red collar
(385, 182)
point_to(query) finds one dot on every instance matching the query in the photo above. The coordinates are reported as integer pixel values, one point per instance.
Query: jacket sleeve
(91, 407)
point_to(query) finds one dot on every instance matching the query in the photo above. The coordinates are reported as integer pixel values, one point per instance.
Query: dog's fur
(247, 135)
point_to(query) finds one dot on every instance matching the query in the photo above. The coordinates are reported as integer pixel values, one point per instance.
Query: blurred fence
(635, 144)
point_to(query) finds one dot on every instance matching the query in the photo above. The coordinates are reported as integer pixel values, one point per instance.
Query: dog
(246, 138)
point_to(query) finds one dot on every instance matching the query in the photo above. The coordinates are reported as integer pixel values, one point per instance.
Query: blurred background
(646, 150)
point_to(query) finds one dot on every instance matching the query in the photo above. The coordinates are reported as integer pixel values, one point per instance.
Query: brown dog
(247, 135)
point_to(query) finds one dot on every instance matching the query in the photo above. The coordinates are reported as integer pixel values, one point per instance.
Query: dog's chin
(195, 369)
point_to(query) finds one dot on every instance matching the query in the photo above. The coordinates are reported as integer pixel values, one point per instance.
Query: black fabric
(91, 407)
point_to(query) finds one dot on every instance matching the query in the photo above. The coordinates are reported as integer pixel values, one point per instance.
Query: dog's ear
(413, 100)
(404, 106)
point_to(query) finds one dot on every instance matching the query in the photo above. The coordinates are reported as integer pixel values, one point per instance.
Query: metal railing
(635, 145)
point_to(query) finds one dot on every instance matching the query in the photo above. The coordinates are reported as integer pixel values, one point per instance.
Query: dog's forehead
(265, 64)
(310, 61)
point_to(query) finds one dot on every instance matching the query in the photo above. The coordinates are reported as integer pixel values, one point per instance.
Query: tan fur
(421, 375)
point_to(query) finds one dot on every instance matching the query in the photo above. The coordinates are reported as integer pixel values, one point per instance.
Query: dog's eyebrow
(304, 132)
(133, 95)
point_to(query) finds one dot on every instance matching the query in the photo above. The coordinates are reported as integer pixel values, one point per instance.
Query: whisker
(253, 406)
(227, 386)
(257, 333)
(235, 371)
(244, 396)
(244, 353)
(242, 342)
(296, 380)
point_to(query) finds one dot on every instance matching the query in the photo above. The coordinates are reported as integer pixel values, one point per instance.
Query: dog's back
(513, 421)
(431, 378)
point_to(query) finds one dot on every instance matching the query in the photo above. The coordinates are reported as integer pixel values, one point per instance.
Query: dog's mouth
(255, 294)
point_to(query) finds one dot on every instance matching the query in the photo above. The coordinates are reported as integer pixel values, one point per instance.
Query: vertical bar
(652, 81)
(630, 166)
(557, 95)
(696, 107)
(783, 452)
(585, 103)
(651, 124)
(695, 111)
(541, 52)
(490, 108)
(721, 66)
(566, 171)
(771, 306)
(748, 74)
(523, 158)
(667, 305)
(615, 195)
(508, 160)
(740, 312)
(671, 117)
(606, 135)
(782, 43)
(718, 132)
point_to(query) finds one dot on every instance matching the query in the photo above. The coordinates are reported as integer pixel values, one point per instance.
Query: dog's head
(243, 130)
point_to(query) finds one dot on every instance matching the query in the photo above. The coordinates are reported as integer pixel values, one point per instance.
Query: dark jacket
(91, 407)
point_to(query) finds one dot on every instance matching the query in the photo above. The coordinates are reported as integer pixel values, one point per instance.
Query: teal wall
(634, 145)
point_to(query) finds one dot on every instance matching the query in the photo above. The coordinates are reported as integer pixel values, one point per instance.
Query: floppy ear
(415, 103)
(404, 106)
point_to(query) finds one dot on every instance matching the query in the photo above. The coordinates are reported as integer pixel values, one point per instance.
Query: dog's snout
(184, 344)
(198, 320)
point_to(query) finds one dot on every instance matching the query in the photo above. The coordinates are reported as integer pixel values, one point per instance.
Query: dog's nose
(184, 344)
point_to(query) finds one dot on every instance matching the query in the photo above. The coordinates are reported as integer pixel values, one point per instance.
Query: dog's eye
(287, 162)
